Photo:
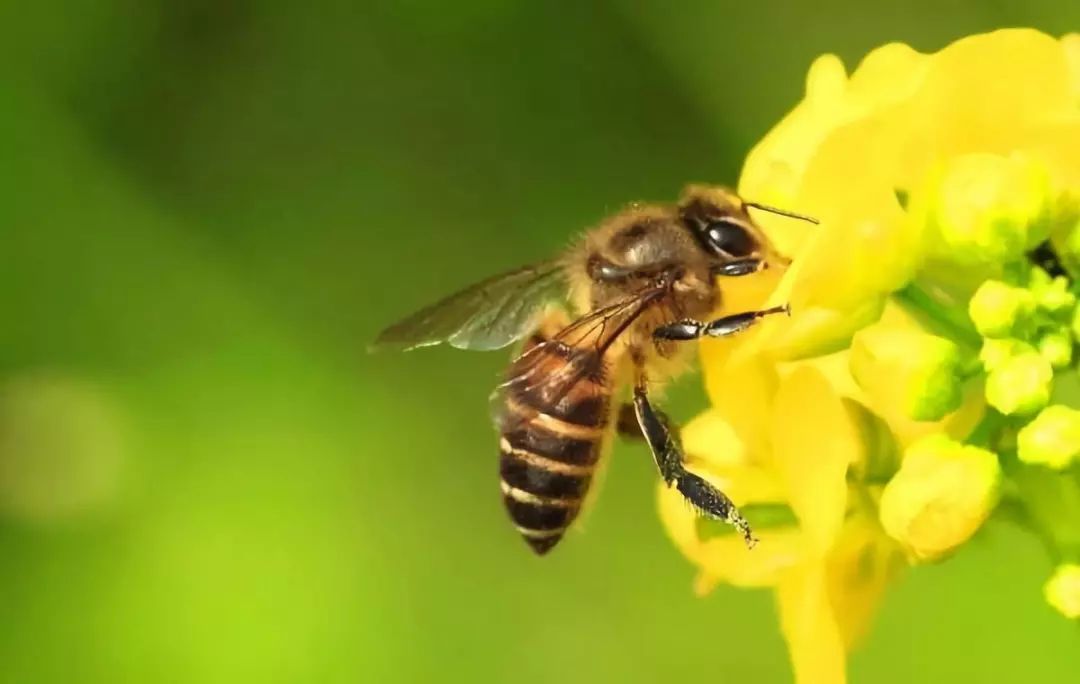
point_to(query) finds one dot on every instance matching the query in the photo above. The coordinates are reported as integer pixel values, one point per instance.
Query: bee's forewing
(488, 315)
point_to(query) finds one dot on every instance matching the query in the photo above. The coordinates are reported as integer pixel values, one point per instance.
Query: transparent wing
(489, 315)
(551, 369)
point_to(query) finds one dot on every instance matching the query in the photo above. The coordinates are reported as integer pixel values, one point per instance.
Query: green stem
(1052, 503)
(937, 316)
(987, 434)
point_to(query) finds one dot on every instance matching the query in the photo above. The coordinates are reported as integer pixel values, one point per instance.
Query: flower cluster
(927, 377)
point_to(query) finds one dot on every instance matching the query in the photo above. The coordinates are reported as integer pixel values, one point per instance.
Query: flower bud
(995, 352)
(1057, 348)
(987, 207)
(941, 495)
(1038, 279)
(1052, 438)
(997, 308)
(907, 369)
(1054, 296)
(1062, 590)
(1020, 385)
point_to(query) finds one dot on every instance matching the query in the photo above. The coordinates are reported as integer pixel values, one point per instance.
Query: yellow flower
(828, 570)
(913, 167)
(855, 146)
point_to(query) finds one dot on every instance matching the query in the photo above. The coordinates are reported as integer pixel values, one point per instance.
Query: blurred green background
(207, 210)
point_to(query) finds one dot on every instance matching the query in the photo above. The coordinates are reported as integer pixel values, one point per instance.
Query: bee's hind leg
(667, 451)
(626, 422)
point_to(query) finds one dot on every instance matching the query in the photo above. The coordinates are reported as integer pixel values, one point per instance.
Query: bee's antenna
(781, 212)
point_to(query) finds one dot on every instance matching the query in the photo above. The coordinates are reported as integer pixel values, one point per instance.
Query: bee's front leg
(668, 453)
(740, 267)
(690, 329)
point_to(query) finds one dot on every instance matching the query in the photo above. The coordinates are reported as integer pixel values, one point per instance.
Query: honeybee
(641, 284)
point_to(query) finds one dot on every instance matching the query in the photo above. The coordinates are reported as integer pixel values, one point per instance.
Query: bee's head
(719, 220)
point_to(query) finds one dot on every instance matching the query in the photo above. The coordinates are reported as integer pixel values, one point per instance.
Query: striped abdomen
(551, 442)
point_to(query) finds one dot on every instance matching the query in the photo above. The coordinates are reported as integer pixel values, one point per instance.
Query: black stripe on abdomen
(551, 435)
(538, 517)
(591, 411)
(543, 492)
(544, 442)
(539, 481)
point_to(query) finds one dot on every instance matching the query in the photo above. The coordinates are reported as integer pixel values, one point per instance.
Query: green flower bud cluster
(1005, 245)
(1028, 327)
(987, 208)
(1000, 216)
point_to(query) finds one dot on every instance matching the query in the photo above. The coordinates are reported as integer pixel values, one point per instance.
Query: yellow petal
(888, 75)
(814, 442)
(725, 558)
(984, 91)
(862, 219)
(775, 166)
(813, 637)
(710, 440)
(826, 606)
(836, 369)
(860, 569)
(741, 390)
(715, 451)
(1056, 144)
(808, 162)
(818, 330)
(1070, 44)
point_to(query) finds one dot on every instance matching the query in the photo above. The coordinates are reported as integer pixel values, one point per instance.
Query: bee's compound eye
(730, 238)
